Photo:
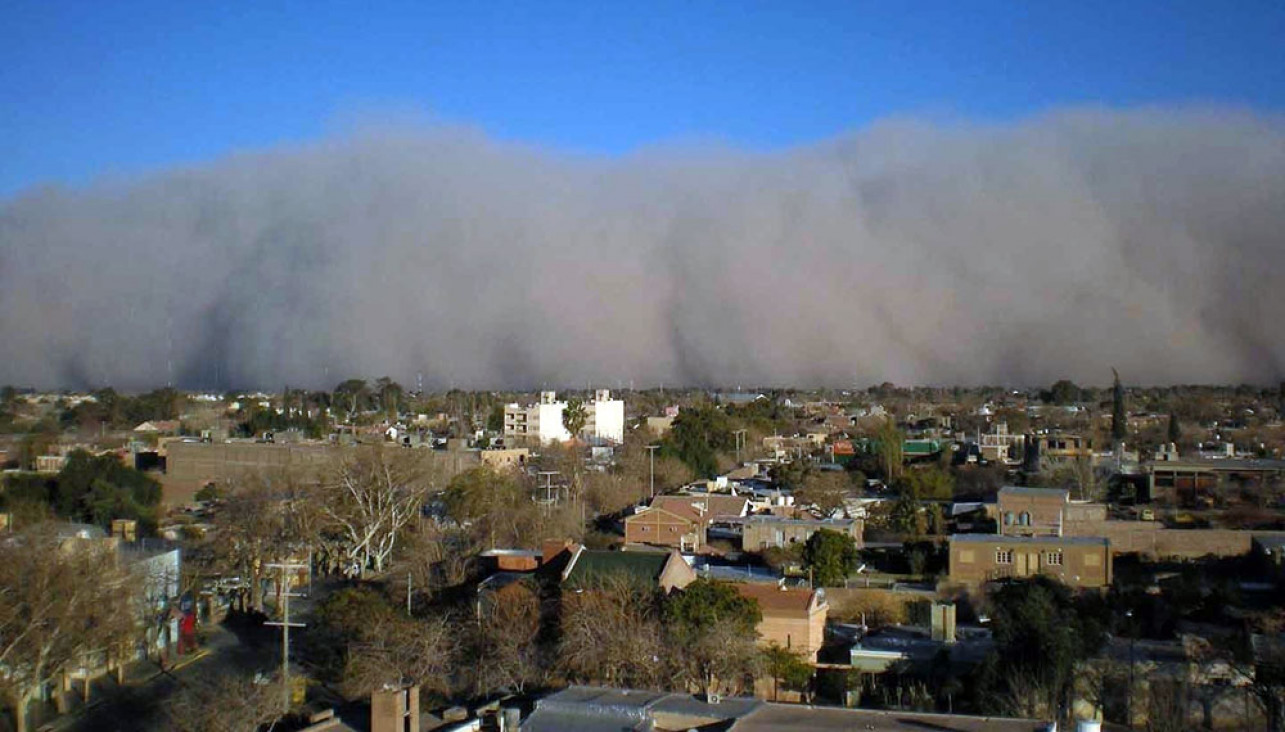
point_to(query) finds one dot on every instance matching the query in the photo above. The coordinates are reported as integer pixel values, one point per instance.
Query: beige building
(792, 618)
(761, 532)
(1080, 561)
(1031, 511)
(1024, 511)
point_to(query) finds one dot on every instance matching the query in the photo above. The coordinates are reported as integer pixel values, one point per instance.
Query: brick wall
(1152, 539)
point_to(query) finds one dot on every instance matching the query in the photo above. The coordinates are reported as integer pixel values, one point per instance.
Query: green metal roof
(595, 566)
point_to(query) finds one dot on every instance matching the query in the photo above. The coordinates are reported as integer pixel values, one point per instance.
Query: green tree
(697, 436)
(905, 517)
(831, 556)
(1175, 430)
(495, 420)
(1041, 632)
(717, 628)
(574, 416)
(1062, 392)
(1119, 424)
(929, 483)
(390, 396)
(97, 489)
(787, 668)
(890, 440)
(353, 395)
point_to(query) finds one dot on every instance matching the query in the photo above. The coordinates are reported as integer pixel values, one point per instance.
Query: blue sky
(109, 88)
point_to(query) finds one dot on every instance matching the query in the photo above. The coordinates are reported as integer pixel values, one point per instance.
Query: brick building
(1031, 511)
(792, 618)
(677, 526)
(1078, 561)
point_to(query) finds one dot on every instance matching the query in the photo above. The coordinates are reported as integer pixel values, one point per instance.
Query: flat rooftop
(1059, 540)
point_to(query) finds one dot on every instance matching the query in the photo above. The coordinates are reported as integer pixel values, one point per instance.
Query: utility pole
(285, 625)
(548, 487)
(739, 436)
(651, 455)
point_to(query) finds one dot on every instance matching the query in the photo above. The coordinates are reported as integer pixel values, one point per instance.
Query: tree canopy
(697, 436)
(831, 556)
(1041, 631)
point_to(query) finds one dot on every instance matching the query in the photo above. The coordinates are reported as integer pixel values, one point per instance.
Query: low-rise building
(677, 526)
(1078, 561)
(792, 618)
(596, 709)
(763, 531)
(1031, 511)
(588, 568)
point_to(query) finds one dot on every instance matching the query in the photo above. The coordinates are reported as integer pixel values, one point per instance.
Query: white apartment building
(605, 420)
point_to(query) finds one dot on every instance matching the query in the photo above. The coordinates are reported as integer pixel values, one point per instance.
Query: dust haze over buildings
(917, 252)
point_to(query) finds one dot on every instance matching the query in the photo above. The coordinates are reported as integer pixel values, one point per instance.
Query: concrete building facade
(761, 532)
(541, 423)
(1080, 561)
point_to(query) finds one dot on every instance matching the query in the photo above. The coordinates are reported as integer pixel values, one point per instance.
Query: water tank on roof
(1088, 725)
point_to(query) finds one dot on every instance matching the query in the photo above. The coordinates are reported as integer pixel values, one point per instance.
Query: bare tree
(369, 498)
(225, 703)
(396, 651)
(63, 604)
(251, 529)
(502, 641)
(611, 634)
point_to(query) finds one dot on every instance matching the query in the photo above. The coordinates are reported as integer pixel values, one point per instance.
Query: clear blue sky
(119, 87)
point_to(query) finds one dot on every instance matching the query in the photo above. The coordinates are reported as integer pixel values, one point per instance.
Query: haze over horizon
(270, 198)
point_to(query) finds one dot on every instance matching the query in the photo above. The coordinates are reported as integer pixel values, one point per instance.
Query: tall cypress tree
(1119, 428)
(1175, 431)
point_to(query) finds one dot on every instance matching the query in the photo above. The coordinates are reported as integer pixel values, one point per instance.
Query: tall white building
(604, 420)
(606, 417)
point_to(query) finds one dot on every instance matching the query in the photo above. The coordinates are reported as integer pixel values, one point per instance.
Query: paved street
(135, 706)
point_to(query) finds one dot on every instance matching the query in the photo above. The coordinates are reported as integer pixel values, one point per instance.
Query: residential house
(1187, 480)
(792, 618)
(1031, 511)
(159, 426)
(683, 521)
(763, 531)
(1001, 446)
(1078, 561)
(678, 526)
(587, 568)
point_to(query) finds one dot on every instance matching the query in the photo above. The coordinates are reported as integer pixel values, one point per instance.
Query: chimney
(943, 621)
(395, 710)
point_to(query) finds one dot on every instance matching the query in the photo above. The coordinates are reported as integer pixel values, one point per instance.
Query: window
(1003, 556)
(1024, 519)
(966, 556)
(1008, 518)
(673, 529)
(1054, 559)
